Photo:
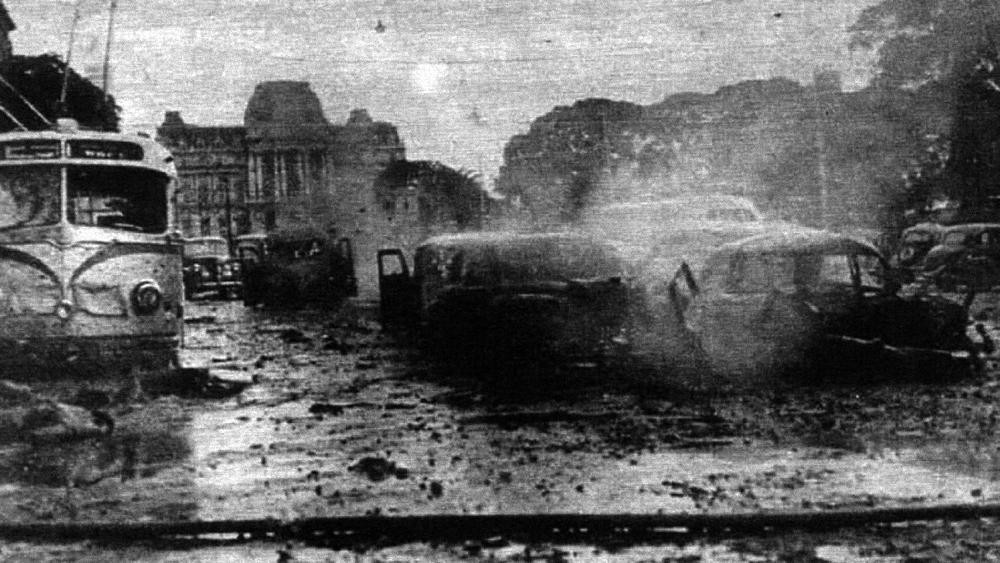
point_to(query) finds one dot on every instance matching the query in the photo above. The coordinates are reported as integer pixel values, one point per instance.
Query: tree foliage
(569, 153)
(952, 45)
(444, 194)
(39, 79)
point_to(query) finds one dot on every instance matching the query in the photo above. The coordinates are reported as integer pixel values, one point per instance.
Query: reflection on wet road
(342, 421)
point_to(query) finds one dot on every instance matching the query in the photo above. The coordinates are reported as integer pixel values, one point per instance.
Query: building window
(253, 184)
(316, 168)
(186, 189)
(268, 171)
(221, 190)
(293, 174)
(206, 226)
(204, 191)
(242, 223)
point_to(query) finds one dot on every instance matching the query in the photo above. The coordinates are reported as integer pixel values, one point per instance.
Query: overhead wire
(10, 116)
(25, 100)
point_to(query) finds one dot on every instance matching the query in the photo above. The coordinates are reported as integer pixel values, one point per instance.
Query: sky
(458, 78)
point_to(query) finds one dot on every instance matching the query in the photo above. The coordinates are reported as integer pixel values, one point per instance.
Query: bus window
(29, 196)
(128, 199)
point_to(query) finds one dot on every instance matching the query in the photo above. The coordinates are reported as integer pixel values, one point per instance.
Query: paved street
(342, 420)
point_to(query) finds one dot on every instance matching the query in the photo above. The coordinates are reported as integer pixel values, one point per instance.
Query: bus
(90, 263)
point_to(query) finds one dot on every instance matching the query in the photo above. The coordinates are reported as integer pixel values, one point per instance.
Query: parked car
(968, 256)
(914, 244)
(815, 303)
(295, 268)
(209, 269)
(504, 297)
(250, 248)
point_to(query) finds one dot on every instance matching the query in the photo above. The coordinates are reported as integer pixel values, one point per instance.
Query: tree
(444, 194)
(568, 155)
(39, 79)
(954, 44)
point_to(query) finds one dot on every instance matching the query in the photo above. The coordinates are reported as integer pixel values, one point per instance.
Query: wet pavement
(342, 420)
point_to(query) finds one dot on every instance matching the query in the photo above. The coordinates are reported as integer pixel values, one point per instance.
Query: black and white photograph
(499, 280)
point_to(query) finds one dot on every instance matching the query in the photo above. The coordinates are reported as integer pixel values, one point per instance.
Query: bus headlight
(146, 297)
(64, 309)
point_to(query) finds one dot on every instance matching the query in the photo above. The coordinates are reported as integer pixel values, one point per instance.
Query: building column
(248, 195)
(327, 174)
(303, 169)
(259, 187)
(282, 187)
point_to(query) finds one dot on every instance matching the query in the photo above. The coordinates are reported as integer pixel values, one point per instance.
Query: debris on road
(378, 469)
(326, 408)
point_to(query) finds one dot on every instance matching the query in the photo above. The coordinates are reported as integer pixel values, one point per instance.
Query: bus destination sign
(29, 150)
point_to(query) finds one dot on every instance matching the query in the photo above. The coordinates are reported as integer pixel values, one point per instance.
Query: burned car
(816, 304)
(294, 268)
(968, 256)
(557, 296)
(209, 269)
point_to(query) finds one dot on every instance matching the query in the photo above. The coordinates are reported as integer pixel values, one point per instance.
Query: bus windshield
(131, 199)
(29, 196)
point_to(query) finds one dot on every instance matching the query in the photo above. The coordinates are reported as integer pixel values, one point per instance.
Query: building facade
(211, 164)
(287, 167)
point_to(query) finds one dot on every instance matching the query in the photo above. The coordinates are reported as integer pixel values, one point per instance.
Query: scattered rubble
(378, 469)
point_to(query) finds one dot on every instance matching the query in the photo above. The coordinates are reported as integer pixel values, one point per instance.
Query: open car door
(398, 292)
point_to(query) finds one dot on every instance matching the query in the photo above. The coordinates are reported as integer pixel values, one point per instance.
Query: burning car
(208, 268)
(815, 303)
(506, 296)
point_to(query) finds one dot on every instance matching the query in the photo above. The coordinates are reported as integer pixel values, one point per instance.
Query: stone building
(212, 170)
(287, 167)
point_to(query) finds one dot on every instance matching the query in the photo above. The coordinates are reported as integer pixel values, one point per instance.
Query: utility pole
(107, 46)
(69, 56)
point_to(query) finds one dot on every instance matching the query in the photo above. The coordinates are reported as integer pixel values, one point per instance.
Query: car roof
(484, 239)
(929, 227)
(702, 202)
(797, 240)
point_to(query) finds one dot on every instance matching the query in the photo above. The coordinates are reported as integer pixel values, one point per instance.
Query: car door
(751, 321)
(398, 292)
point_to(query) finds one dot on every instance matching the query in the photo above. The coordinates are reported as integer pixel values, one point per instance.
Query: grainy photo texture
(436, 280)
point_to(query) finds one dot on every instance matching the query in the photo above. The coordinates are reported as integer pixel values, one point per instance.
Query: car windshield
(294, 249)
(957, 238)
(918, 237)
(803, 272)
(207, 247)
